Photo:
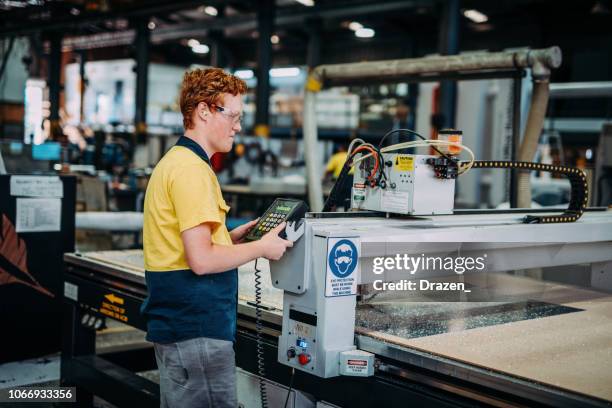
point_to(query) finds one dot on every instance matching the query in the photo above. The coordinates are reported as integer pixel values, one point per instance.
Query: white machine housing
(411, 188)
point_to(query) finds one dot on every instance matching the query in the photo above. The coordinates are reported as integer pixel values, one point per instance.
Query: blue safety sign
(343, 258)
(342, 266)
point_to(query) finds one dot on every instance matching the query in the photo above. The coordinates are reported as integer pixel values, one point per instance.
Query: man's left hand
(238, 233)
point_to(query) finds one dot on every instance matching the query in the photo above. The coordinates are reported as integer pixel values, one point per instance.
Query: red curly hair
(206, 85)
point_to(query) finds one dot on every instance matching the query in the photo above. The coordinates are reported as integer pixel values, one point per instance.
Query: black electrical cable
(416, 134)
(290, 386)
(344, 173)
(331, 199)
(389, 133)
(259, 327)
(381, 164)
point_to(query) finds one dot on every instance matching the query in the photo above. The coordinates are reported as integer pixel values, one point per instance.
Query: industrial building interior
(386, 133)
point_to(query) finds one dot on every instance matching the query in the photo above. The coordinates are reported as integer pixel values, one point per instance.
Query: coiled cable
(260, 349)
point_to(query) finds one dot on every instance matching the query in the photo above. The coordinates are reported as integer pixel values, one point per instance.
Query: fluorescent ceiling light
(284, 72)
(200, 49)
(476, 16)
(193, 42)
(211, 11)
(353, 25)
(244, 73)
(365, 33)
(274, 39)
(307, 3)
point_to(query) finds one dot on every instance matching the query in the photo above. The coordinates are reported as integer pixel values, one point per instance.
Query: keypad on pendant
(270, 222)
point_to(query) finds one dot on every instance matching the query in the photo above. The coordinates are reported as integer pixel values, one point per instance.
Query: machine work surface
(552, 333)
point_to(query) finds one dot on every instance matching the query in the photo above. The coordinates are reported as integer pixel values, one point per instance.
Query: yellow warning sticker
(114, 298)
(404, 163)
(112, 310)
(114, 315)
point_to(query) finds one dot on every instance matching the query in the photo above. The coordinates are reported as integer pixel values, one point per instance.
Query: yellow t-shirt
(183, 192)
(336, 162)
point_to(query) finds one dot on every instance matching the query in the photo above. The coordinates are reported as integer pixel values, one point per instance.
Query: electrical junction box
(411, 187)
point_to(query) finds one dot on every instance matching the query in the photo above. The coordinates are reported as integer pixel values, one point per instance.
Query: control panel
(300, 340)
(282, 209)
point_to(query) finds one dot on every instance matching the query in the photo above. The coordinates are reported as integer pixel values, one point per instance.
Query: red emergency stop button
(304, 358)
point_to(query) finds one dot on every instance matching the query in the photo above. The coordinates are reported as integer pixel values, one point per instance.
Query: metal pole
(449, 45)
(82, 58)
(601, 89)
(265, 20)
(313, 56)
(55, 64)
(142, 75)
(217, 58)
(216, 54)
(516, 135)
(313, 160)
(313, 165)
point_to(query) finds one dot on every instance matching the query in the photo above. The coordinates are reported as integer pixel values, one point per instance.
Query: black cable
(258, 327)
(381, 165)
(290, 386)
(331, 199)
(337, 187)
(399, 130)
(416, 134)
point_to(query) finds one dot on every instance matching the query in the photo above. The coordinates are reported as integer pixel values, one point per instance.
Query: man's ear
(203, 111)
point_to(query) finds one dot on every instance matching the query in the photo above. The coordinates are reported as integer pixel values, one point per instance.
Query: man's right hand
(274, 246)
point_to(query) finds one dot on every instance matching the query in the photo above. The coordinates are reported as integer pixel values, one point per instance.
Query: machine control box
(282, 209)
(413, 186)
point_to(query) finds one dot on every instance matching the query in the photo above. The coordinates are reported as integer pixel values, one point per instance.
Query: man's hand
(274, 246)
(238, 233)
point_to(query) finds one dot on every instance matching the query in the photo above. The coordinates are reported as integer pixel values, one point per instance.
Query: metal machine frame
(110, 374)
(302, 272)
(402, 376)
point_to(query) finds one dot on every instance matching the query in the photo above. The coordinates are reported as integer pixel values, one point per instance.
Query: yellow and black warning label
(111, 297)
(404, 163)
(111, 309)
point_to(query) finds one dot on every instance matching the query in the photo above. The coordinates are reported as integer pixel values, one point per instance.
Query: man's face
(225, 122)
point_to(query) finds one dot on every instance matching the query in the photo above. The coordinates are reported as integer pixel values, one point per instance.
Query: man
(191, 257)
(335, 163)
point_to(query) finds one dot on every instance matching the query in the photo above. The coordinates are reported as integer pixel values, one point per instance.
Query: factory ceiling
(403, 28)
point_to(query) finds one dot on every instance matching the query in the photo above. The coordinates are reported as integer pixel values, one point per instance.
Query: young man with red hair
(191, 257)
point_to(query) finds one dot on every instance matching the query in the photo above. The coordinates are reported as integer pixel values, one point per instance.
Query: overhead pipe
(541, 61)
(546, 58)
